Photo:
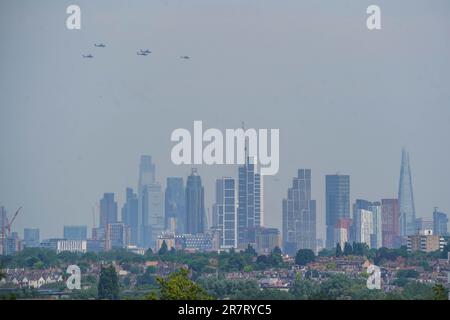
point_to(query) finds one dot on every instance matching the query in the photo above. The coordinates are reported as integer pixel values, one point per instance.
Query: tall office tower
(440, 221)
(406, 198)
(250, 202)
(337, 196)
(299, 215)
(390, 223)
(130, 215)
(195, 204)
(376, 238)
(147, 173)
(363, 221)
(175, 205)
(108, 210)
(225, 209)
(153, 222)
(75, 232)
(117, 235)
(31, 238)
(147, 177)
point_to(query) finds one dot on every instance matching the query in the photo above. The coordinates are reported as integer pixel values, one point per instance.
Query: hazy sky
(345, 99)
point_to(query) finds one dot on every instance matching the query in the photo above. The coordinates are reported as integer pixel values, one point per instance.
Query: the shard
(406, 198)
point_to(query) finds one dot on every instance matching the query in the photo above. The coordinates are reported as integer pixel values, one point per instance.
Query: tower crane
(8, 226)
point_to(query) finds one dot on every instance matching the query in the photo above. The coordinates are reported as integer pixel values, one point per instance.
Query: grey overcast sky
(345, 99)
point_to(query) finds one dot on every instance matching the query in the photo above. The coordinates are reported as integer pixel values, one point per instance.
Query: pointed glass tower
(406, 198)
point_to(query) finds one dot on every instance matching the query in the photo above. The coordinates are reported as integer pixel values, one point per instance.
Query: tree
(303, 289)
(339, 252)
(163, 250)
(304, 256)
(178, 286)
(275, 258)
(348, 249)
(250, 250)
(440, 293)
(108, 285)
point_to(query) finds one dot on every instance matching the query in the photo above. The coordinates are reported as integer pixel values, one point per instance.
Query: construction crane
(8, 226)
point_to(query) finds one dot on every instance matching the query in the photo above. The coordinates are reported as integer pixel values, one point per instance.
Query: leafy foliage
(108, 284)
(304, 256)
(178, 286)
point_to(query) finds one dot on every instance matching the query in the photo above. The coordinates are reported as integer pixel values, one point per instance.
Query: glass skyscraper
(175, 205)
(108, 210)
(337, 198)
(130, 215)
(406, 198)
(299, 215)
(249, 203)
(225, 212)
(151, 204)
(195, 204)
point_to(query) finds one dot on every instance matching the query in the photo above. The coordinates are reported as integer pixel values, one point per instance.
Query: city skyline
(108, 210)
(345, 99)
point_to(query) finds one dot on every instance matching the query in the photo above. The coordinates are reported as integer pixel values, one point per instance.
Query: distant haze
(345, 99)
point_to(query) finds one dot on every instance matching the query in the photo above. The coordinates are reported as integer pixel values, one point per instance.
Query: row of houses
(31, 278)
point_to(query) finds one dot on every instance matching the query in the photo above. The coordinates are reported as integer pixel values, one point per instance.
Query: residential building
(337, 197)
(250, 203)
(225, 212)
(299, 215)
(390, 226)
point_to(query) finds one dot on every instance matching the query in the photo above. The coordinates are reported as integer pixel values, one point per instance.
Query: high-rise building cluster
(178, 217)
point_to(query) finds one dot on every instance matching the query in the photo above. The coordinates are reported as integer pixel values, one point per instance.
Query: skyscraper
(440, 221)
(147, 177)
(130, 215)
(195, 204)
(151, 204)
(390, 223)
(175, 205)
(225, 209)
(363, 221)
(153, 222)
(31, 237)
(376, 238)
(406, 198)
(75, 232)
(249, 203)
(337, 195)
(147, 172)
(299, 215)
(108, 210)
